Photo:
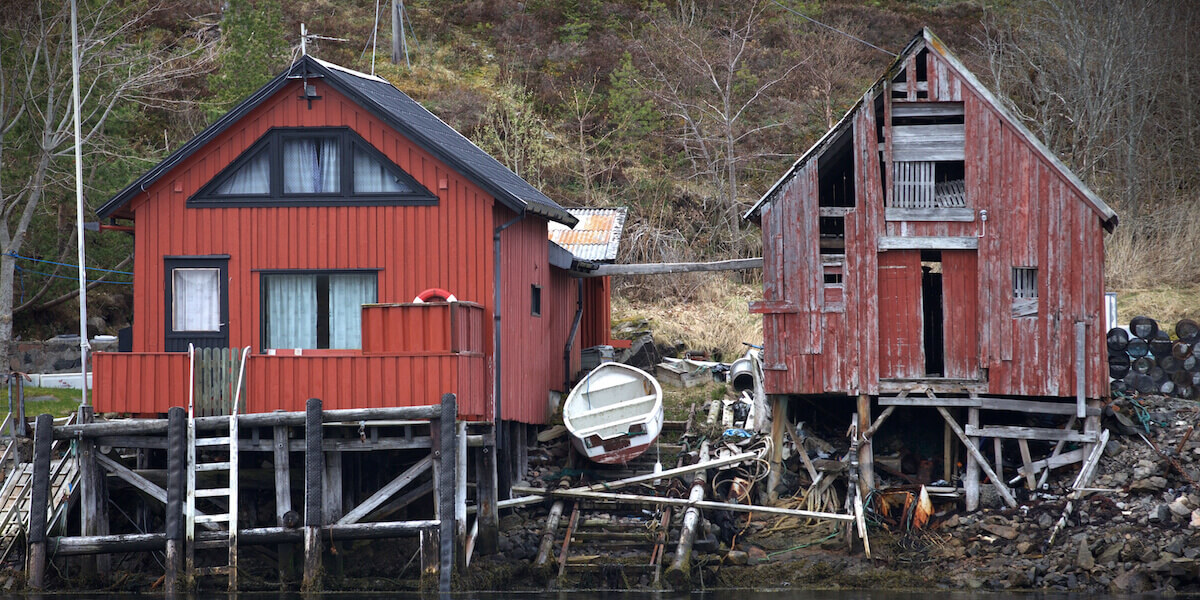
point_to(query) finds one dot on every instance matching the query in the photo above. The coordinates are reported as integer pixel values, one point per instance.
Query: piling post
(460, 494)
(971, 478)
(778, 426)
(176, 490)
(445, 461)
(93, 516)
(486, 497)
(283, 497)
(314, 498)
(866, 456)
(39, 501)
(679, 573)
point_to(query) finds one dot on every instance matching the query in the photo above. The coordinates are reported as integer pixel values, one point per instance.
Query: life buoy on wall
(434, 295)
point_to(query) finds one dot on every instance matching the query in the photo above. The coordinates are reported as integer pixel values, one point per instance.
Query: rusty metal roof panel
(595, 237)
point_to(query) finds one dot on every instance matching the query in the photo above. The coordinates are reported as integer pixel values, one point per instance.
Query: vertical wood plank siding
(414, 248)
(1036, 218)
(596, 328)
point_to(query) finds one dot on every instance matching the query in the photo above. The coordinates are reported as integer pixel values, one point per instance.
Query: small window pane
(196, 299)
(291, 311)
(372, 177)
(311, 166)
(347, 293)
(535, 300)
(1025, 282)
(251, 179)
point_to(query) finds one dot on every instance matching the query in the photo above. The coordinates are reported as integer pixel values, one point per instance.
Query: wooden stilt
(947, 454)
(999, 455)
(283, 497)
(486, 498)
(679, 573)
(866, 456)
(314, 499)
(1027, 460)
(460, 494)
(176, 491)
(996, 481)
(93, 515)
(779, 422)
(39, 501)
(444, 452)
(333, 510)
(971, 478)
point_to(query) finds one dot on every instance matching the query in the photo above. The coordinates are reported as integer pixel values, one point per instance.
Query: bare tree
(119, 69)
(709, 75)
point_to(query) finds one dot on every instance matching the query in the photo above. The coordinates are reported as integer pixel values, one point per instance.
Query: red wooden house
(931, 238)
(305, 222)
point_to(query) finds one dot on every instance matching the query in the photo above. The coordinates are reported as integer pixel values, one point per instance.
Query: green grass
(55, 401)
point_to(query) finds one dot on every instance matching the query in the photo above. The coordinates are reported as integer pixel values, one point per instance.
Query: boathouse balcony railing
(411, 352)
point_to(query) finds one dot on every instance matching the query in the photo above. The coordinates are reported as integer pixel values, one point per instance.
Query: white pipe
(83, 336)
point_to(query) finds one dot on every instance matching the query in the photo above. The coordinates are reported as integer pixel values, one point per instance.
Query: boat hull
(614, 414)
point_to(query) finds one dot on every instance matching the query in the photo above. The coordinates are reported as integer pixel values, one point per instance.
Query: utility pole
(399, 43)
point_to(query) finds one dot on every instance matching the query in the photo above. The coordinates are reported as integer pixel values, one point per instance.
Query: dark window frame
(535, 300)
(174, 341)
(262, 302)
(349, 141)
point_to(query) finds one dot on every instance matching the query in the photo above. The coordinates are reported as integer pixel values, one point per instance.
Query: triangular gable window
(309, 167)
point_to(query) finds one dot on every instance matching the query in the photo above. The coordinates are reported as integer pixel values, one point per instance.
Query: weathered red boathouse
(930, 236)
(305, 222)
(929, 244)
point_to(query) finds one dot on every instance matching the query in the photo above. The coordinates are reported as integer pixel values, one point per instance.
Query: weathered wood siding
(1036, 218)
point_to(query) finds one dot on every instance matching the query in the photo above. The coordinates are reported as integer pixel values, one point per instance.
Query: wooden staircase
(15, 492)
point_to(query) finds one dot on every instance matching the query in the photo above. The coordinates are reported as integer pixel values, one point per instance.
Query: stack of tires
(1146, 359)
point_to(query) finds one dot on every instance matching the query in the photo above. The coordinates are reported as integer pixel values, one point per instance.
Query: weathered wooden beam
(679, 573)
(961, 215)
(444, 455)
(39, 501)
(1081, 369)
(866, 456)
(1053, 461)
(290, 419)
(107, 544)
(1030, 433)
(681, 267)
(971, 477)
(948, 402)
(1030, 406)
(386, 492)
(698, 504)
(996, 481)
(176, 494)
(890, 242)
(551, 528)
(281, 447)
(93, 501)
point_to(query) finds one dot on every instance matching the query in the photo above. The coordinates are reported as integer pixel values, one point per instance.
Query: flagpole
(84, 347)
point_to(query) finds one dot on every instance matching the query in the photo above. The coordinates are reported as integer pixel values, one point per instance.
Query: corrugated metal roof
(595, 237)
(405, 114)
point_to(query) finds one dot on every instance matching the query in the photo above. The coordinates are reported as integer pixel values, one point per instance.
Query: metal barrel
(1143, 384)
(1119, 371)
(1143, 365)
(1118, 338)
(1168, 363)
(1118, 385)
(1181, 377)
(1157, 374)
(741, 373)
(1160, 344)
(1195, 379)
(1190, 363)
(1181, 350)
(1166, 388)
(1143, 327)
(1137, 347)
(1186, 392)
(1187, 329)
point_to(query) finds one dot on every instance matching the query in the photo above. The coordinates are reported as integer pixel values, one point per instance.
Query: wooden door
(960, 294)
(901, 354)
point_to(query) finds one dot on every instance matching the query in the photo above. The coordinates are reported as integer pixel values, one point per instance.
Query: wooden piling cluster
(322, 521)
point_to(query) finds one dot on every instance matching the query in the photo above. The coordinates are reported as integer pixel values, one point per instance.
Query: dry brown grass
(712, 315)
(1160, 250)
(1165, 305)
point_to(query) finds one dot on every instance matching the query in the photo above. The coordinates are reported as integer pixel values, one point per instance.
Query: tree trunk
(7, 272)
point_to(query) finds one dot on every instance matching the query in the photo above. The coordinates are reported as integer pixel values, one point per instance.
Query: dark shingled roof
(401, 112)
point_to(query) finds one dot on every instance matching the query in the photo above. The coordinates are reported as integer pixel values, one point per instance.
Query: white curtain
(347, 293)
(196, 300)
(371, 177)
(311, 166)
(253, 178)
(291, 311)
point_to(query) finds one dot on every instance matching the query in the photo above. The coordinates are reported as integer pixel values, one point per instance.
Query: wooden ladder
(213, 444)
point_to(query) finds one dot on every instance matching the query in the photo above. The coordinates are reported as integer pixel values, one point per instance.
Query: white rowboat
(614, 414)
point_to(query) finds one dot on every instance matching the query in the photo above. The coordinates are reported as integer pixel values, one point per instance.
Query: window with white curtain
(316, 310)
(313, 166)
(196, 299)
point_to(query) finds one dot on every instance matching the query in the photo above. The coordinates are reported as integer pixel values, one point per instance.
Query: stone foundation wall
(58, 355)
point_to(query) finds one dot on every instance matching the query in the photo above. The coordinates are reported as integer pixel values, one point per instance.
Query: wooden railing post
(93, 513)
(39, 501)
(314, 476)
(176, 491)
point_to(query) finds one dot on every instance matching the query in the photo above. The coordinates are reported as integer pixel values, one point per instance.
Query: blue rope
(50, 262)
(69, 278)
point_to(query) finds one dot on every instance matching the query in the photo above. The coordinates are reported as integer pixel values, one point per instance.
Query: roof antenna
(305, 37)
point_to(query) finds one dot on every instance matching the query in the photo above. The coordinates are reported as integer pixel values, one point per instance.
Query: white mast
(84, 347)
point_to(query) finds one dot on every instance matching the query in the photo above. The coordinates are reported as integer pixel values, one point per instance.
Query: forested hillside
(684, 111)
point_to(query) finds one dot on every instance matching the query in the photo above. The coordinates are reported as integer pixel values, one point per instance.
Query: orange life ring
(434, 295)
